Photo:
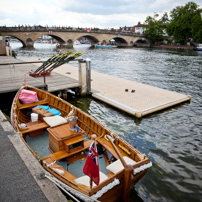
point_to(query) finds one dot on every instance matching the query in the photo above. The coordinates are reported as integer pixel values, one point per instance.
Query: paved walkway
(21, 176)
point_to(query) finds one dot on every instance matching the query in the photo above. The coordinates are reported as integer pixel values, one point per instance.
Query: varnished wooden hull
(65, 46)
(90, 126)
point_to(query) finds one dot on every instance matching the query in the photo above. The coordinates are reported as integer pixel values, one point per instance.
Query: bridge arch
(141, 42)
(93, 40)
(57, 38)
(120, 41)
(22, 41)
(99, 38)
(70, 41)
(29, 42)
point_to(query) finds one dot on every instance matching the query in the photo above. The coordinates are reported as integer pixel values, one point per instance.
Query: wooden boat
(64, 46)
(64, 151)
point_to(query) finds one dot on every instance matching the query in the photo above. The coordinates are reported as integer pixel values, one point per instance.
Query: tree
(182, 18)
(155, 29)
(197, 26)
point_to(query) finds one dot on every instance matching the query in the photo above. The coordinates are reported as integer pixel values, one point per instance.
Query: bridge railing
(65, 29)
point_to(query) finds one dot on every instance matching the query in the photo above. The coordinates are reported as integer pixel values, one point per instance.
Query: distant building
(127, 29)
(138, 29)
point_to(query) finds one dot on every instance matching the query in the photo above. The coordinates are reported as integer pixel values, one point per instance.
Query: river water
(172, 138)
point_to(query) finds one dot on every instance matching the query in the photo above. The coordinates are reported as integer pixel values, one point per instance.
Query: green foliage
(184, 21)
(0, 34)
(169, 42)
(155, 28)
(197, 27)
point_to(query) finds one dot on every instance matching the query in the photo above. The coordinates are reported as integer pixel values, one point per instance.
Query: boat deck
(140, 99)
(40, 145)
(12, 78)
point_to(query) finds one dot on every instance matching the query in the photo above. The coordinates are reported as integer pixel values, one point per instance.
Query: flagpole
(93, 136)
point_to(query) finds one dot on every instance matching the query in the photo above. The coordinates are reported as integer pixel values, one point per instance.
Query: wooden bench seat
(24, 106)
(66, 175)
(34, 127)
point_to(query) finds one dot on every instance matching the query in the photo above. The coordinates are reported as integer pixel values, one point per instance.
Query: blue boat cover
(43, 106)
(54, 111)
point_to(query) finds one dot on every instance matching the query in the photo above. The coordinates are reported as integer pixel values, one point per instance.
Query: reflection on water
(172, 138)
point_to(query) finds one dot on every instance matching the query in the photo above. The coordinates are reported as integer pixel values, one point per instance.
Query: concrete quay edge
(49, 189)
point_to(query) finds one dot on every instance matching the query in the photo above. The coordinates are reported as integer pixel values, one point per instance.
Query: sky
(84, 13)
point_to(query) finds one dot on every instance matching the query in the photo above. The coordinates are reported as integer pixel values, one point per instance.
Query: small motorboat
(198, 48)
(105, 46)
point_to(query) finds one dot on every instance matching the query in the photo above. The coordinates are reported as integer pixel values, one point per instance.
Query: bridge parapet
(65, 29)
(67, 35)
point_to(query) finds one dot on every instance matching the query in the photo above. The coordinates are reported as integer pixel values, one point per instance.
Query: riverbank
(180, 47)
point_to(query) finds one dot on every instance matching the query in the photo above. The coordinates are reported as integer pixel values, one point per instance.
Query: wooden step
(57, 155)
(74, 140)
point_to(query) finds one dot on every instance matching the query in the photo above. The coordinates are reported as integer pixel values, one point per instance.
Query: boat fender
(142, 168)
(106, 189)
(22, 125)
(59, 171)
(71, 112)
(51, 164)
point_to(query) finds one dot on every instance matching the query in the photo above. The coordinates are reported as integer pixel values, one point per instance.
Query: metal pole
(88, 75)
(44, 77)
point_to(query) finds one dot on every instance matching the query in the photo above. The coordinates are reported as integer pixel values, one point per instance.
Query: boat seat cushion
(117, 166)
(55, 120)
(28, 96)
(54, 111)
(85, 180)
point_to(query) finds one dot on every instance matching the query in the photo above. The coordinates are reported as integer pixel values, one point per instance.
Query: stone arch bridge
(28, 35)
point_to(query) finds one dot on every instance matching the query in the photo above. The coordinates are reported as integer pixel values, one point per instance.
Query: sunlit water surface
(171, 139)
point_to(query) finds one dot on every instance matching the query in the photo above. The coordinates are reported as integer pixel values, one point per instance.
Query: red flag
(91, 167)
